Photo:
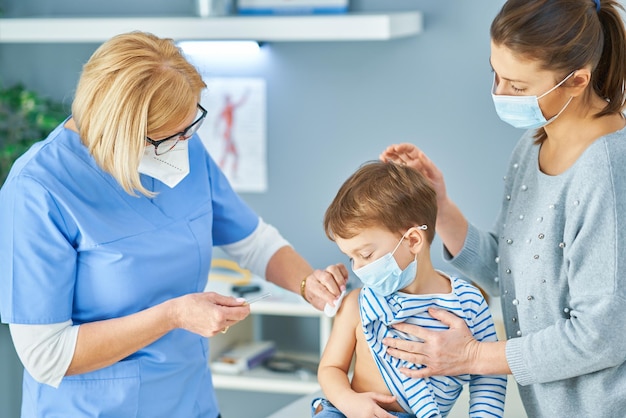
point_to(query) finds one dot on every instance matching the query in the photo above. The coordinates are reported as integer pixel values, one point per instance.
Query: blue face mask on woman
(524, 111)
(384, 276)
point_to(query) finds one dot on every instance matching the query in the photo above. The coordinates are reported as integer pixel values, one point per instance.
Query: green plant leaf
(25, 118)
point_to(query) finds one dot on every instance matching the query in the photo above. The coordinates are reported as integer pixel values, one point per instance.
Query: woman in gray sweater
(557, 253)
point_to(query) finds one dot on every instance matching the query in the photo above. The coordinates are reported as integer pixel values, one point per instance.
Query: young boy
(383, 218)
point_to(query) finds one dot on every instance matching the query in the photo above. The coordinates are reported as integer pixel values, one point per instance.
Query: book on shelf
(243, 356)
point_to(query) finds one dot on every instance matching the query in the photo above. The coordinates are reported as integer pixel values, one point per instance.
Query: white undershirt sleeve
(46, 351)
(254, 251)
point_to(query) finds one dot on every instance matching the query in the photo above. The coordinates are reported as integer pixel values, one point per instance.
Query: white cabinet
(341, 27)
(259, 379)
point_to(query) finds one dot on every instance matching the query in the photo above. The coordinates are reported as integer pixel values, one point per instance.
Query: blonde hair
(133, 86)
(382, 194)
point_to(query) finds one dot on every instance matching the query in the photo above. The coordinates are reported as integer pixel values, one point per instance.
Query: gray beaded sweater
(557, 258)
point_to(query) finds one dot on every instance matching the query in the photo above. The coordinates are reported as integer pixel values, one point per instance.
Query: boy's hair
(382, 194)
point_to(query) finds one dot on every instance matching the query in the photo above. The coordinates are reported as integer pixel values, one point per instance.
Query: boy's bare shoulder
(350, 305)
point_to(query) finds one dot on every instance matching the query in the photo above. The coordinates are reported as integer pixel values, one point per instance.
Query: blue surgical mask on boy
(524, 111)
(384, 276)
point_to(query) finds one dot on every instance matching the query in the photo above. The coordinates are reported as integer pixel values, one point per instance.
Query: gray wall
(332, 106)
(10, 376)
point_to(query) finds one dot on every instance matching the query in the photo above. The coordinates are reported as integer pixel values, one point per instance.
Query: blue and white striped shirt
(434, 396)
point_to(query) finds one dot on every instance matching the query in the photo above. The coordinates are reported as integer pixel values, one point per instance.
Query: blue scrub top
(74, 245)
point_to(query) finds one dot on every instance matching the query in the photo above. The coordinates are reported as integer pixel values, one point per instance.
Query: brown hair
(134, 85)
(382, 194)
(566, 35)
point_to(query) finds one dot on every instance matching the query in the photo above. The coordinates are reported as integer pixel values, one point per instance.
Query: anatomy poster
(234, 130)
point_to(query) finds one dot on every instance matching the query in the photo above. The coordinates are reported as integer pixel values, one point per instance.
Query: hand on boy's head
(403, 154)
(325, 286)
(410, 155)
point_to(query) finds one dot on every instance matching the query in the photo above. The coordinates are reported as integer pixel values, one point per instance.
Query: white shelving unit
(348, 27)
(259, 379)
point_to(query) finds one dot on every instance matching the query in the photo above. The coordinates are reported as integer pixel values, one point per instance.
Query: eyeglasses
(167, 144)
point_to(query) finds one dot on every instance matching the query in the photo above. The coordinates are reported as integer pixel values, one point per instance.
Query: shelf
(281, 302)
(348, 27)
(261, 379)
(270, 307)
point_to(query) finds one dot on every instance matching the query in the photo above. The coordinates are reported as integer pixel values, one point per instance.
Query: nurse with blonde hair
(108, 228)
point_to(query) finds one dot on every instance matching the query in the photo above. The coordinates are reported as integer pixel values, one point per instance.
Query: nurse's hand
(444, 353)
(208, 313)
(410, 155)
(325, 286)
